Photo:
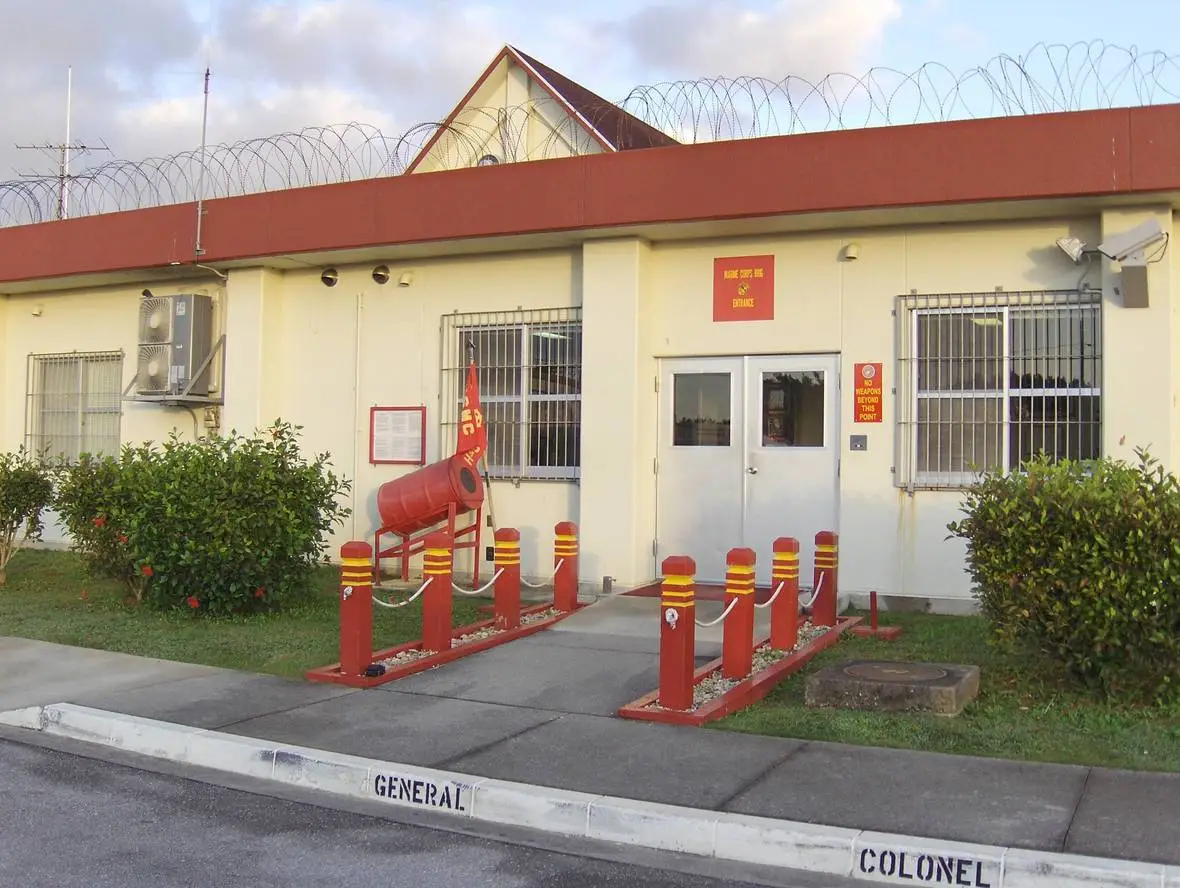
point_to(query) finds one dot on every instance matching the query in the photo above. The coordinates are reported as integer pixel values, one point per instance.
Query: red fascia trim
(1035, 157)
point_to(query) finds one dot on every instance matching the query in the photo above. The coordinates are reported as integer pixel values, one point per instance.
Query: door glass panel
(793, 409)
(701, 410)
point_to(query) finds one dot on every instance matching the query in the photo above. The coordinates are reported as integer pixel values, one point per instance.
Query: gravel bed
(714, 685)
(478, 635)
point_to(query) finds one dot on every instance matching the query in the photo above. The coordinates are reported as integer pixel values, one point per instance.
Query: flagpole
(487, 479)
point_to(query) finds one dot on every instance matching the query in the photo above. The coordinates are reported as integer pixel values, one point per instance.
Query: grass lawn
(1023, 711)
(49, 598)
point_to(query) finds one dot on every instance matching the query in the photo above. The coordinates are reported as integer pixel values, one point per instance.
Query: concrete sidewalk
(540, 711)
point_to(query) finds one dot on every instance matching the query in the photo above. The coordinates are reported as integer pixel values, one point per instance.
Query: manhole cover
(895, 672)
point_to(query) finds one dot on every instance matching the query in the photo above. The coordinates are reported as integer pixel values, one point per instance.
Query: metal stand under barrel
(413, 506)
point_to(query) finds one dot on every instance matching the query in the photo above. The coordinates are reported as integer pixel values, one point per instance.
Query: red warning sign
(868, 393)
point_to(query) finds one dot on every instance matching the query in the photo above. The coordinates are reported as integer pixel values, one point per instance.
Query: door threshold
(704, 591)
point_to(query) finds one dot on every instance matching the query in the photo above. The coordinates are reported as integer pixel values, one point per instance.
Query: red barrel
(420, 499)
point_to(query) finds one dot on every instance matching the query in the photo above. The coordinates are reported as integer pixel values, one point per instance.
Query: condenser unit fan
(155, 320)
(154, 364)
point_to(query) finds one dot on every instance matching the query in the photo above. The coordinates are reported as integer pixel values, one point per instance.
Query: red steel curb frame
(332, 674)
(747, 692)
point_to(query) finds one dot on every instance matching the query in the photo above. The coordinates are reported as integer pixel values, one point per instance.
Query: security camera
(1131, 244)
(381, 274)
(329, 277)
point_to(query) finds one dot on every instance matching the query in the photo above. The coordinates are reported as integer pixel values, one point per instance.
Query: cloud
(278, 65)
(805, 38)
(283, 65)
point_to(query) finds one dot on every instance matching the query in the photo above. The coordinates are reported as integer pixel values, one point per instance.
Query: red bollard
(507, 590)
(874, 630)
(438, 565)
(827, 555)
(784, 613)
(356, 607)
(677, 632)
(565, 564)
(737, 640)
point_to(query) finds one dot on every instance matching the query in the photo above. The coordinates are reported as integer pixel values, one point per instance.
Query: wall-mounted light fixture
(407, 278)
(851, 252)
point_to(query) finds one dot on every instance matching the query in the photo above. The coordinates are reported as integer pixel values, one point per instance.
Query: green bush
(224, 525)
(1083, 561)
(26, 490)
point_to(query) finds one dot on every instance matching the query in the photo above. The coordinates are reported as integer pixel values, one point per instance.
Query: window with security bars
(987, 381)
(529, 367)
(74, 404)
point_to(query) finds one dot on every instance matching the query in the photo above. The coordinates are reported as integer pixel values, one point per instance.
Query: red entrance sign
(867, 393)
(743, 288)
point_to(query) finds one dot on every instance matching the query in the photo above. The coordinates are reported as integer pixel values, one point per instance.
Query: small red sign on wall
(868, 393)
(743, 288)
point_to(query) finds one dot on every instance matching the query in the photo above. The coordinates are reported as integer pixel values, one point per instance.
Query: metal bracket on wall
(185, 399)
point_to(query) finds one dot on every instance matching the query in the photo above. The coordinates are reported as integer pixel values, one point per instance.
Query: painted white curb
(881, 857)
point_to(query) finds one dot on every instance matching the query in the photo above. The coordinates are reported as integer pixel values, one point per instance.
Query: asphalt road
(71, 821)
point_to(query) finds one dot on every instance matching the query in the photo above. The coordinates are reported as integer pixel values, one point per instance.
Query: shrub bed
(224, 525)
(26, 490)
(1082, 560)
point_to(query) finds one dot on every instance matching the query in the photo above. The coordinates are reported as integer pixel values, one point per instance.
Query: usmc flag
(473, 434)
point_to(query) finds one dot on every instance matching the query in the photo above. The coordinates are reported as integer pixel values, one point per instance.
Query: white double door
(748, 452)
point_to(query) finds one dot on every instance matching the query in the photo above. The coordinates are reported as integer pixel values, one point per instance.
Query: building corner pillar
(617, 496)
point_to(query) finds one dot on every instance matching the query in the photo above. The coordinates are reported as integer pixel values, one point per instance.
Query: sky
(280, 65)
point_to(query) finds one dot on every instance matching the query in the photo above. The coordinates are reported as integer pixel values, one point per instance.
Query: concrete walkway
(540, 711)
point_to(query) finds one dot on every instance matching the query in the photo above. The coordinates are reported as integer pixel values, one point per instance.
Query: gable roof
(622, 130)
(608, 124)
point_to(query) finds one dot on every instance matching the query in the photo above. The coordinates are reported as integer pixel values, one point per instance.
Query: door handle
(753, 470)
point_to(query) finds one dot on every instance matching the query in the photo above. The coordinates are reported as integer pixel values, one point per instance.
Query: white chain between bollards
(815, 594)
(724, 614)
(481, 589)
(782, 584)
(409, 600)
(546, 582)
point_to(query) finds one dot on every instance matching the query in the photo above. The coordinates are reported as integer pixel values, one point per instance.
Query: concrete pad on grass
(633, 616)
(633, 760)
(212, 701)
(1128, 814)
(539, 676)
(35, 673)
(624, 644)
(994, 801)
(406, 728)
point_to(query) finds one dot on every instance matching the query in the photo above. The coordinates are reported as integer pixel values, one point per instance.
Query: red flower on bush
(258, 593)
(146, 570)
(193, 602)
(122, 538)
(100, 522)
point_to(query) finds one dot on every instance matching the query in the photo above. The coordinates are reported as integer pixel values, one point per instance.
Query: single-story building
(682, 348)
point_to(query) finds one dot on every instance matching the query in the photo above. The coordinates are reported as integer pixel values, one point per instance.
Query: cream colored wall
(5, 395)
(891, 541)
(319, 383)
(1139, 403)
(552, 131)
(255, 345)
(513, 117)
(618, 414)
(103, 319)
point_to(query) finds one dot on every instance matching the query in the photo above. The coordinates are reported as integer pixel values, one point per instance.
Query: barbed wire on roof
(1050, 77)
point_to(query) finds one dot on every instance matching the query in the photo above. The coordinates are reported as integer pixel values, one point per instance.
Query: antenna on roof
(198, 248)
(64, 151)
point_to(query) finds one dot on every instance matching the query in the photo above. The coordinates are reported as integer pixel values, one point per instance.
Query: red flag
(473, 434)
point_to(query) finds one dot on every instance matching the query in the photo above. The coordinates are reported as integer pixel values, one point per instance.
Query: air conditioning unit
(175, 340)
